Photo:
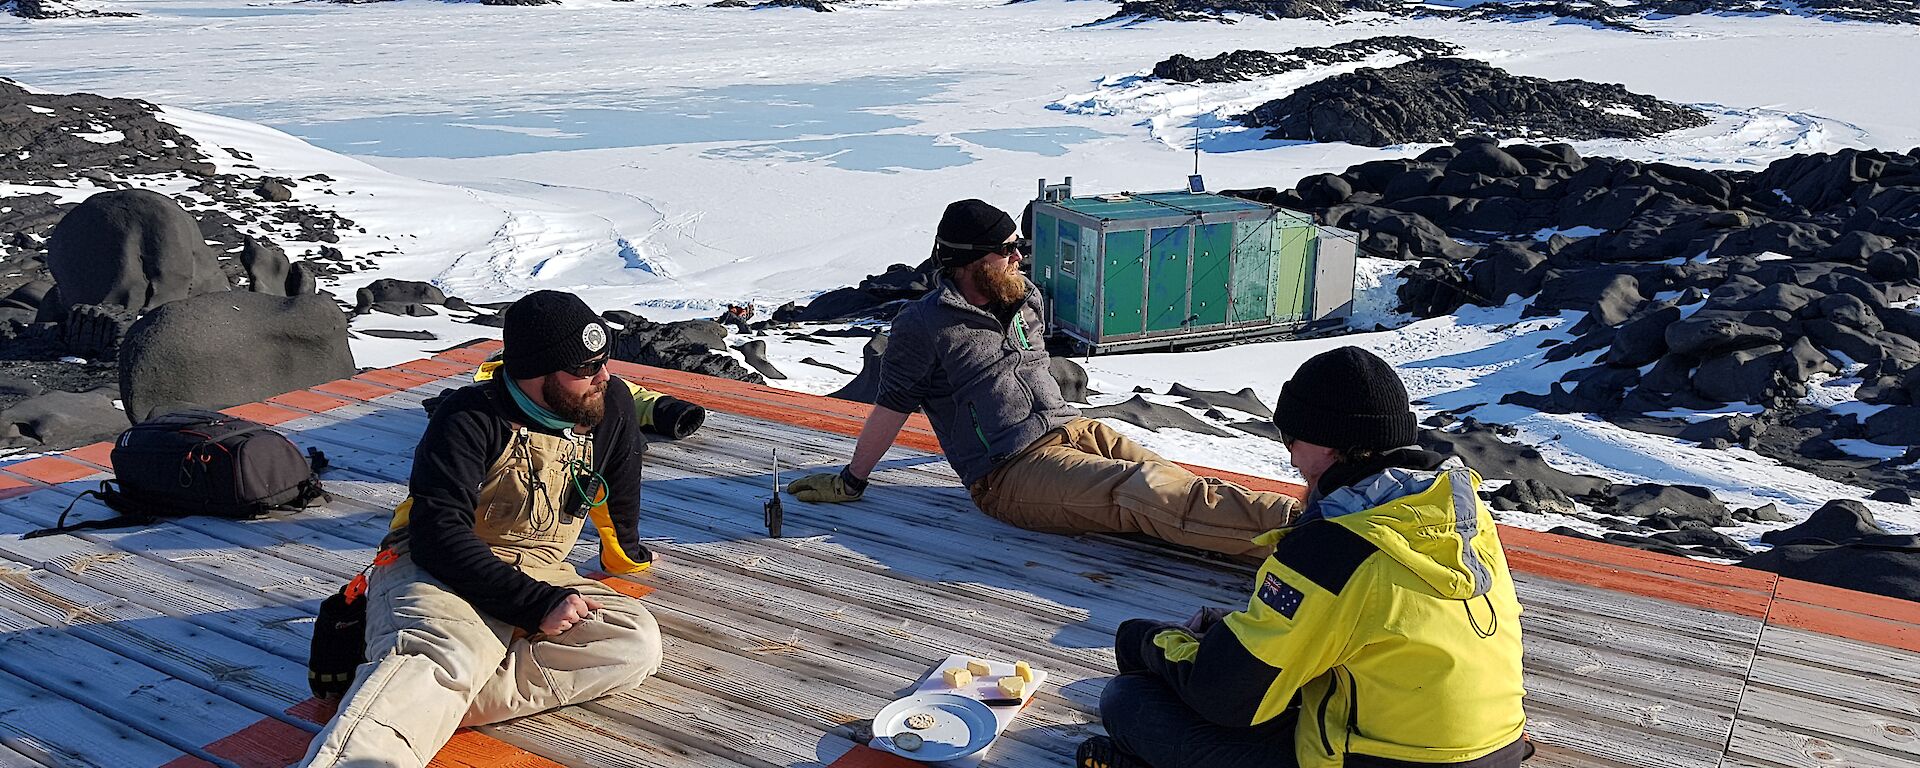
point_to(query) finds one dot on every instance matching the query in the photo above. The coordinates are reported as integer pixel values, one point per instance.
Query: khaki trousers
(1086, 478)
(438, 664)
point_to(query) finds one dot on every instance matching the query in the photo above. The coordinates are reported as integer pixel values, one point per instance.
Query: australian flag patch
(1280, 596)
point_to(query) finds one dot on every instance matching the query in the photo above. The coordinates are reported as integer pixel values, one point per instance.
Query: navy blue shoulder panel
(1326, 553)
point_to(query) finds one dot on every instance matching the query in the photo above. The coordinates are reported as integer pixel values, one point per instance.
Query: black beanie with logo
(546, 331)
(968, 224)
(1346, 398)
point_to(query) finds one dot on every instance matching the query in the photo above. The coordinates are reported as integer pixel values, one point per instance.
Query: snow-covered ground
(668, 159)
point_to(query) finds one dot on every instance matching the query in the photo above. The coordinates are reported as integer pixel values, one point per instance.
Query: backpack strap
(106, 493)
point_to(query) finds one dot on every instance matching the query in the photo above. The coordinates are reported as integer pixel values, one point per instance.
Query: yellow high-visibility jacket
(1389, 616)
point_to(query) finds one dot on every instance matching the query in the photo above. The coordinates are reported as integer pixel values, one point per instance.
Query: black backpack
(201, 463)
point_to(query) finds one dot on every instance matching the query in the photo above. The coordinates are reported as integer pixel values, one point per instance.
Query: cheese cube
(1023, 671)
(978, 668)
(1012, 687)
(957, 677)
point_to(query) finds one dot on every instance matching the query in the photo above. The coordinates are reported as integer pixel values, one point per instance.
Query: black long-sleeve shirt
(465, 435)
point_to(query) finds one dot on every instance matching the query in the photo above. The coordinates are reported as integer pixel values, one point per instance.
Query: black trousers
(1147, 719)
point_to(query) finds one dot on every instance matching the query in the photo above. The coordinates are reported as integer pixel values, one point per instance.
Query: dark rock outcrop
(1248, 64)
(130, 248)
(216, 351)
(1147, 414)
(1440, 99)
(688, 345)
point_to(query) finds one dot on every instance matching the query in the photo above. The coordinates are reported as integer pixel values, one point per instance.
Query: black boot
(1101, 752)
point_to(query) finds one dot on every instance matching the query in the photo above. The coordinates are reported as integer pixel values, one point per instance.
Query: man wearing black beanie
(1390, 600)
(972, 355)
(474, 614)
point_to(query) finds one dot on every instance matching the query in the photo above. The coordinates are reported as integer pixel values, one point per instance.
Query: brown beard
(1004, 287)
(586, 409)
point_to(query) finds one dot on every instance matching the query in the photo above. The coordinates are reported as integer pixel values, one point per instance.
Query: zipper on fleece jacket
(977, 430)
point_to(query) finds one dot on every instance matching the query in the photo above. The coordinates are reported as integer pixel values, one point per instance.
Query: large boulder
(1882, 565)
(217, 351)
(133, 248)
(1440, 99)
(1837, 522)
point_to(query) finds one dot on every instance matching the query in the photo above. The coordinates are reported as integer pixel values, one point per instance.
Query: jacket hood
(1431, 521)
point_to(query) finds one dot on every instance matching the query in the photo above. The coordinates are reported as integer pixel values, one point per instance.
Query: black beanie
(1346, 398)
(969, 223)
(546, 331)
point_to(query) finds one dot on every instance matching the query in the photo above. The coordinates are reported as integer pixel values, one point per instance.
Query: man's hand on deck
(830, 487)
(573, 610)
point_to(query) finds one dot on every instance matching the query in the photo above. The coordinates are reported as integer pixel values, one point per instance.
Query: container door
(1167, 276)
(1252, 270)
(1123, 283)
(1043, 267)
(1212, 273)
(1292, 273)
(1066, 283)
(1087, 271)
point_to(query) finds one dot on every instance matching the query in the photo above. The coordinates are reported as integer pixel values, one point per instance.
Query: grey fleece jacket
(987, 387)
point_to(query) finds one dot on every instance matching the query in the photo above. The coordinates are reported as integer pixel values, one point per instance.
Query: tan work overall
(1084, 477)
(437, 663)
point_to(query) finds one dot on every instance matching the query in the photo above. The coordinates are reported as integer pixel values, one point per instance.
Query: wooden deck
(184, 644)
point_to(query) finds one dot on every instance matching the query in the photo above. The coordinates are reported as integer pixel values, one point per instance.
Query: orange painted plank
(1567, 547)
(396, 379)
(620, 585)
(97, 454)
(308, 400)
(438, 369)
(862, 756)
(354, 388)
(471, 354)
(317, 711)
(467, 749)
(473, 749)
(53, 470)
(1679, 590)
(269, 743)
(1835, 598)
(269, 415)
(1827, 621)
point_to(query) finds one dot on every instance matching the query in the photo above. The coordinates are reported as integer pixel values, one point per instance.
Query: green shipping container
(1168, 269)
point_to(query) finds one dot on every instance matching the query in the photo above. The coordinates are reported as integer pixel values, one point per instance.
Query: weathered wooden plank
(1625, 671)
(1866, 660)
(56, 731)
(246, 673)
(1796, 712)
(1759, 744)
(124, 690)
(1706, 722)
(1576, 732)
(1602, 630)
(161, 586)
(1633, 613)
(261, 569)
(1869, 694)
(12, 759)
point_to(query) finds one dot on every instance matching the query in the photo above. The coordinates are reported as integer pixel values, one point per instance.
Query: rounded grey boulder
(218, 351)
(133, 248)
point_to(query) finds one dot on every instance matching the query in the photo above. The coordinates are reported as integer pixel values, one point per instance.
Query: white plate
(961, 726)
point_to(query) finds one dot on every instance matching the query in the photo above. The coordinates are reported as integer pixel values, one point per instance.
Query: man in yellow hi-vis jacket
(474, 613)
(1383, 632)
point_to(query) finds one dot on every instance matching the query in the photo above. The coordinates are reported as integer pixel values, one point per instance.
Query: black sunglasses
(1022, 246)
(588, 369)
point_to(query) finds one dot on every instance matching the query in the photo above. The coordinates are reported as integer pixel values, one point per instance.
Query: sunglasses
(588, 369)
(1022, 246)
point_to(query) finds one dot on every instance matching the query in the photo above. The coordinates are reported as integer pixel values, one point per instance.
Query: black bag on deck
(201, 463)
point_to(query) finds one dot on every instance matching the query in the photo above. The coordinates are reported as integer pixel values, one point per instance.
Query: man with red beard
(972, 354)
(474, 614)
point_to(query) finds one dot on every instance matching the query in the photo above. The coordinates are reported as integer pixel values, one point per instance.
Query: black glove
(676, 418)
